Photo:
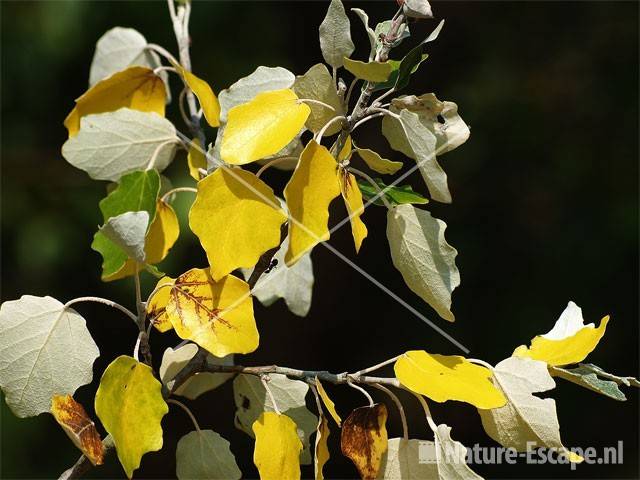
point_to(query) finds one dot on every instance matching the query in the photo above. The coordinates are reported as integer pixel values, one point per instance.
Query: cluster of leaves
(118, 132)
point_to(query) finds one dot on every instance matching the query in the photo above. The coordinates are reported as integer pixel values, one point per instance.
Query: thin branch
(162, 52)
(384, 112)
(396, 400)
(83, 465)
(273, 162)
(316, 102)
(176, 190)
(163, 68)
(188, 412)
(384, 95)
(366, 119)
(320, 134)
(104, 301)
(156, 152)
(362, 390)
(427, 412)
(350, 90)
(377, 366)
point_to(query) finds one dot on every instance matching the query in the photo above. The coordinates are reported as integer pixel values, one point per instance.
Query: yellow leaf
(130, 406)
(328, 403)
(237, 218)
(448, 377)
(218, 316)
(364, 439)
(206, 97)
(263, 126)
(353, 201)
(75, 422)
(369, 71)
(196, 159)
(378, 164)
(346, 149)
(312, 187)
(322, 450)
(137, 88)
(278, 447)
(566, 351)
(162, 235)
(156, 307)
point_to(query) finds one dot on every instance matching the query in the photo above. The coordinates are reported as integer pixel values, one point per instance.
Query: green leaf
(136, 192)
(46, 350)
(128, 231)
(394, 76)
(317, 84)
(110, 145)
(423, 256)
(395, 195)
(409, 136)
(252, 399)
(205, 455)
(130, 406)
(335, 35)
(369, 71)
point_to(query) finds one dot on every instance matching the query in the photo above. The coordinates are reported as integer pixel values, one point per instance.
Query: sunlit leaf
(422, 255)
(130, 406)
(196, 159)
(321, 450)
(173, 361)
(262, 126)
(395, 195)
(251, 400)
(293, 284)
(75, 422)
(369, 71)
(376, 163)
(137, 88)
(202, 90)
(110, 145)
(327, 402)
(156, 308)
(448, 377)
(218, 316)
(355, 208)
(526, 421)
(364, 439)
(46, 350)
(237, 218)
(569, 341)
(205, 455)
(317, 84)
(335, 35)
(277, 448)
(312, 187)
(451, 456)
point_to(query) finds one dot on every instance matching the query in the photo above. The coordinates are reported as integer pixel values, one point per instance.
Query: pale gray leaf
(111, 144)
(383, 28)
(317, 84)
(335, 35)
(409, 136)
(293, 284)
(526, 420)
(205, 455)
(440, 118)
(402, 460)
(423, 256)
(251, 400)
(362, 15)
(173, 361)
(451, 457)
(128, 231)
(417, 9)
(46, 350)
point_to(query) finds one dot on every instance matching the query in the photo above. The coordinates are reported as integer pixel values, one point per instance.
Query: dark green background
(545, 207)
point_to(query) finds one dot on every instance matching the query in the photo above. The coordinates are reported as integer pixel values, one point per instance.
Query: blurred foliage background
(545, 207)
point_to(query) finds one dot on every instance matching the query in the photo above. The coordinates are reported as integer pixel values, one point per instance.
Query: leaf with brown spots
(75, 422)
(218, 316)
(364, 439)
